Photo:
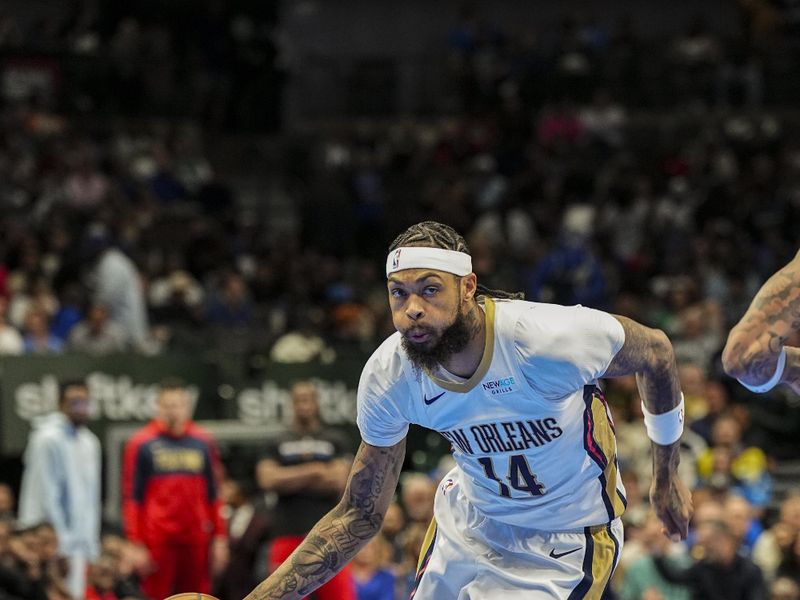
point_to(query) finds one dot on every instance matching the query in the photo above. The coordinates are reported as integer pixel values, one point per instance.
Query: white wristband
(666, 428)
(765, 387)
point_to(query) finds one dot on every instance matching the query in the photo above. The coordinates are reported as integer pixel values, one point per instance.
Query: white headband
(412, 257)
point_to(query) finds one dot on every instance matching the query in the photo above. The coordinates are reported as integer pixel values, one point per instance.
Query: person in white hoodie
(61, 481)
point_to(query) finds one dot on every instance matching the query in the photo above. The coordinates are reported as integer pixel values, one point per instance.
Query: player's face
(427, 310)
(173, 409)
(75, 404)
(304, 402)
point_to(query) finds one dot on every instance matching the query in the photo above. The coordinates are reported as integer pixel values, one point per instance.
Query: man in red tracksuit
(170, 506)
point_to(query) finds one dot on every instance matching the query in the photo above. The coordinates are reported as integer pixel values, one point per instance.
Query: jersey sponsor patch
(498, 387)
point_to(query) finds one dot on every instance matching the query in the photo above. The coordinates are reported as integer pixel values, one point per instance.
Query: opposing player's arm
(647, 353)
(754, 344)
(340, 534)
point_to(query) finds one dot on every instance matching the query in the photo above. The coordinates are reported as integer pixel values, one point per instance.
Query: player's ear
(469, 285)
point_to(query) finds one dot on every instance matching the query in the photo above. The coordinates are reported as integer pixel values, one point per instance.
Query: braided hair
(430, 234)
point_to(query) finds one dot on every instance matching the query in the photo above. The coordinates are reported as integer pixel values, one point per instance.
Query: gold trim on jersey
(486, 360)
(606, 439)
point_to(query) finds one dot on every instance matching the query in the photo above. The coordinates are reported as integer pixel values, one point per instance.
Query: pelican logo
(447, 485)
(396, 259)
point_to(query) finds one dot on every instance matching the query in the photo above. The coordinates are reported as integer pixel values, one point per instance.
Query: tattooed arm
(751, 353)
(340, 534)
(648, 354)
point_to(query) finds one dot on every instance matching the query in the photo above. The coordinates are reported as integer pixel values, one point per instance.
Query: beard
(452, 340)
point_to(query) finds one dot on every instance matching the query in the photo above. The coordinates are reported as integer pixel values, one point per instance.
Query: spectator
(127, 560)
(68, 314)
(10, 340)
(790, 563)
(61, 481)
(102, 579)
(171, 505)
(721, 574)
(414, 538)
(699, 335)
(231, 306)
(784, 588)
(775, 542)
(742, 521)
(571, 273)
(303, 344)
(716, 403)
(248, 529)
(21, 574)
(643, 576)
(417, 495)
(86, 188)
(96, 334)
(307, 466)
(118, 286)
(373, 580)
(38, 339)
(392, 530)
(35, 296)
(604, 120)
(729, 464)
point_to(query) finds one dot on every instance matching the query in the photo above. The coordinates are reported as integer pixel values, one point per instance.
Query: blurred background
(207, 189)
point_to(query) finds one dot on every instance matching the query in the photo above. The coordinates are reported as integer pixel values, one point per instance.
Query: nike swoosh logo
(554, 554)
(432, 400)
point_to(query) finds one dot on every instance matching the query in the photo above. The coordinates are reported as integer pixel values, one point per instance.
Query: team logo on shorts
(396, 259)
(447, 485)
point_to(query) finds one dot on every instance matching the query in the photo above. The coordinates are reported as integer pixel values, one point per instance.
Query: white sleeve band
(765, 387)
(666, 428)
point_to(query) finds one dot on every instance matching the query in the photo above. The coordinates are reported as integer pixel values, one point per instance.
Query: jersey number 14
(520, 477)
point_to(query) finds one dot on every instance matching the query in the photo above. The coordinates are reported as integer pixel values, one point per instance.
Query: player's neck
(466, 362)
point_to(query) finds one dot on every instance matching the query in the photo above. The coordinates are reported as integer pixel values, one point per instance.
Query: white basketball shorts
(467, 556)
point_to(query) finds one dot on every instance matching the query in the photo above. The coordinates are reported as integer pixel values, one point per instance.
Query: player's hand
(220, 554)
(672, 502)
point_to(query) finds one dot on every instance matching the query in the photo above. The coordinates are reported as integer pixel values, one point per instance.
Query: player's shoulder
(512, 316)
(542, 324)
(547, 315)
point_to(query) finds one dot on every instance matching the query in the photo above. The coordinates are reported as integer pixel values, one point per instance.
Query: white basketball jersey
(530, 430)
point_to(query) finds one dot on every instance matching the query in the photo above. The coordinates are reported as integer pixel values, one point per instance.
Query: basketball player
(755, 352)
(532, 509)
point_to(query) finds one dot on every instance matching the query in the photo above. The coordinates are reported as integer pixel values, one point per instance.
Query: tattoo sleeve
(647, 353)
(340, 534)
(751, 352)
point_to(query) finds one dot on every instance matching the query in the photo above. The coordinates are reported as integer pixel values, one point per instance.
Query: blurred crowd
(578, 172)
